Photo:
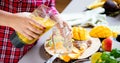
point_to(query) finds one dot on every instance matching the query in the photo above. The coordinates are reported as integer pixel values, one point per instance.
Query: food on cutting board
(112, 7)
(107, 44)
(106, 57)
(81, 42)
(102, 32)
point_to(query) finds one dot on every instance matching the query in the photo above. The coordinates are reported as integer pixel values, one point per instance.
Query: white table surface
(74, 8)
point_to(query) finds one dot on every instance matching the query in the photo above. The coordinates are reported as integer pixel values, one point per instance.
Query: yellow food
(95, 57)
(115, 34)
(101, 32)
(79, 33)
(73, 55)
(66, 58)
(46, 22)
(75, 50)
(100, 3)
(96, 5)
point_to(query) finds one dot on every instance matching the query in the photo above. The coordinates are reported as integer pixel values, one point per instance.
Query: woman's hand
(24, 25)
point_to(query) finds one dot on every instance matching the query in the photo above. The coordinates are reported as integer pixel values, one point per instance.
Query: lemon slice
(95, 57)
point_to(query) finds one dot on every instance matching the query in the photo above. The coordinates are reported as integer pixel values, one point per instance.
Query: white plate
(95, 45)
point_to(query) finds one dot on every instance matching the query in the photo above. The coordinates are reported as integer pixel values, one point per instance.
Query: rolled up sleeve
(53, 8)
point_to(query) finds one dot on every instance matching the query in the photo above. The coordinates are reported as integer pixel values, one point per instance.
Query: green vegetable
(105, 55)
(115, 53)
(110, 57)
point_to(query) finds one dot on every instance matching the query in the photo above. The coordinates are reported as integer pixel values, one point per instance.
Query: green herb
(105, 55)
(115, 53)
(110, 57)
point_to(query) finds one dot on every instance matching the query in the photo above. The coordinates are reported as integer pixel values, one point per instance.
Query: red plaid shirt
(8, 53)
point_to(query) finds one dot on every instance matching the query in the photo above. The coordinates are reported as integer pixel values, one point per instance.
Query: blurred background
(61, 4)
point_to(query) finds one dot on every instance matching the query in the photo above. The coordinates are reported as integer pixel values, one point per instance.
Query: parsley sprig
(110, 57)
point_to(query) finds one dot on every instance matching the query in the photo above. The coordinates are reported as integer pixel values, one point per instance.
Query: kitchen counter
(76, 6)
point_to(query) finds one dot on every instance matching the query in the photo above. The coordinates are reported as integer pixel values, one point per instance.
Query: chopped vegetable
(115, 53)
(109, 57)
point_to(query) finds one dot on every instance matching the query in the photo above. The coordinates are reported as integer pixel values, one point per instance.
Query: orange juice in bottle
(42, 16)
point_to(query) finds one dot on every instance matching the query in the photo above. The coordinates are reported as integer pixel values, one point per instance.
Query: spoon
(50, 60)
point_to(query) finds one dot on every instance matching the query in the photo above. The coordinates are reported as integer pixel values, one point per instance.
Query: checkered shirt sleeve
(8, 53)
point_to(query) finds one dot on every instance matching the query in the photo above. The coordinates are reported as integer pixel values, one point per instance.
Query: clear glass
(62, 39)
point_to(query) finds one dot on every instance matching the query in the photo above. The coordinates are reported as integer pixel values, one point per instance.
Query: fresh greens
(115, 53)
(110, 57)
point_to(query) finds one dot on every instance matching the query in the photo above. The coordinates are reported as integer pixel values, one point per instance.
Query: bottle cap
(16, 41)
